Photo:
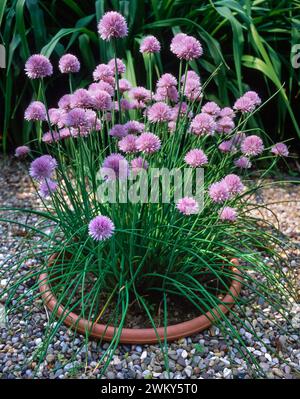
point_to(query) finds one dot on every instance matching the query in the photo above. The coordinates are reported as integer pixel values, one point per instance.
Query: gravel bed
(206, 355)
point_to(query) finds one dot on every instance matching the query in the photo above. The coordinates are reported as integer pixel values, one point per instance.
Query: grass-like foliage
(107, 256)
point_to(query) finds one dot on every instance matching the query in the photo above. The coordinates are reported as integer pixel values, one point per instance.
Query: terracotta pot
(139, 335)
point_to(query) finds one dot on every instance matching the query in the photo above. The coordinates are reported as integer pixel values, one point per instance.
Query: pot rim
(141, 335)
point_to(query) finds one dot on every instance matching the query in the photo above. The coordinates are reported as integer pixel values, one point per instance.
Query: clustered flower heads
(173, 121)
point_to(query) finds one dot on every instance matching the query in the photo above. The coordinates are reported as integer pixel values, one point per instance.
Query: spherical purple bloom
(127, 144)
(115, 166)
(203, 124)
(118, 131)
(138, 164)
(42, 167)
(124, 103)
(150, 45)
(167, 80)
(36, 111)
(219, 192)
(188, 206)
(227, 111)
(102, 100)
(191, 75)
(228, 214)
(211, 108)
(280, 149)
(225, 125)
(244, 105)
(50, 137)
(148, 143)
(192, 90)
(65, 101)
(120, 66)
(82, 98)
(101, 228)
(254, 97)
(69, 63)
(57, 116)
(196, 158)
(101, 85)
(47, 188)
(124, 85)
(183, 108)
(38, 66)
(112, 25)
(22, 151)
(226, 146)
(234, 184)
(92, 122)
(75, 118)
(104, 72)
(164, 94)
(140, 93)
(186, 47)
(252, 145)
(134, 127)
(159, 112)
(243, 163)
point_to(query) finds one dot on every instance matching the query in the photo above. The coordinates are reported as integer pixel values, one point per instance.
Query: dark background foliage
(251, 40)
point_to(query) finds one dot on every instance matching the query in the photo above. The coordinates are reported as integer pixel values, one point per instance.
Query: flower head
(124, 85)
(163, 94)
(159, 112)
(101, 228)
(196, 158)
(121, 67)
(81, 98)
(150, 45)
(140, 93)
(36, 111)
(47, 188)
(50, 137)
(254, 97)
(188, 206)
(219, 192)
(105, 73)
(118, 131)
(102, 100)
(192, 90)
(38, 66)
(101, 85)
(234, 184)
(227, 111)
(42, 167)
(22, 151)
(148, 143)
(211, 108)
(243, 163)
(226, 146)
(57, 116)
(69, 63)
(228, 214)
(75, 118)
(280, 149)
(167, 80)
(203, 124)
(134, 127)
(137, 164)
(225, 125)
(115, 166)
(252, 145)
(112, 25)
(244, 105)
(186, 47)
(127, 144)
(65, 101)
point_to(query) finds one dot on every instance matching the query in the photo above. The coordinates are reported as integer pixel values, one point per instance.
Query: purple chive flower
(115, 166)
(186, 47)
(57, 116)
(102, 100)
(42, 167)
(81, 98)
(203, 124)
(150, 45)
(228, 214)
(192, 90)
(167, 80)
(211, 108)
(159, 112)
(163, 94)
(172, 126)
(76, 118)
(254, 97)
(127, 144)
(191, 75)
(226, 146)
(101, 85)
(92, 122)
(134, 127)
(140, 94)
(183, 111)
(148, 143)
(104, 72)
(69, 63)
(112, 25)
(38, 66)
(238, 138)
(65, 101)
(196, 158)
(36, 111)
(137, 164)
(50, 137)
(219, 192)
(244, 104)
(120, 66)
(227, 111)
(22, 151)
(47, 188)
(124, 85)
(234, 184)
(280, 149)
(187, 206)
(225, 125)
(101, 228)
(252, 145)
(243, 163)
(124, 103)
(118, 131)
